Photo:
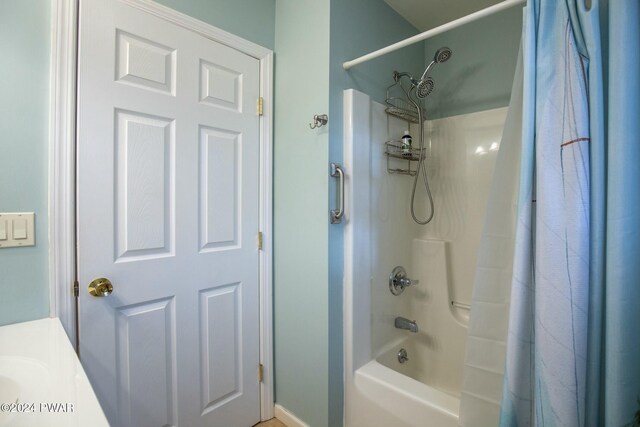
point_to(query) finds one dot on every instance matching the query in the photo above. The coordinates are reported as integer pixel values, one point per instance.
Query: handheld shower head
(442, 55)
(425, 86)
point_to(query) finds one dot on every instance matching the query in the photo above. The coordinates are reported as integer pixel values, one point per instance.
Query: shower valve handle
(398, 280)
(405, 281)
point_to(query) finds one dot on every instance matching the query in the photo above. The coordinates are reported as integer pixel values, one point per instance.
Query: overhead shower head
(424, 88)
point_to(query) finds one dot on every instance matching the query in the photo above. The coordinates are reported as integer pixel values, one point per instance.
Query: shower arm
(397, 76)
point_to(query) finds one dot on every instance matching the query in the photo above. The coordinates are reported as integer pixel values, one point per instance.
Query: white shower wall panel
(442, 255)
(462, 152)
(392, 228)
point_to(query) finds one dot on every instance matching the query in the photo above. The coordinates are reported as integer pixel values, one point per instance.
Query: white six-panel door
(168, 180)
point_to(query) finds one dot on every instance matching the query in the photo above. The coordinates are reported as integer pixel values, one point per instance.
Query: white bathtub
(385, 397)
(419, 365)
(403, 389)
(401, 393)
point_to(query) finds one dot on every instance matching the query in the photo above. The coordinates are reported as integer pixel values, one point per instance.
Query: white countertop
(40, 373)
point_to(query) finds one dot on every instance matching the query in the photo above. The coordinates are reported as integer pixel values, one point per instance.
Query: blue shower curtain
(573, 348)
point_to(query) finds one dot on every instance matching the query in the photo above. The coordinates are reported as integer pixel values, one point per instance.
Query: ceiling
(427, 14)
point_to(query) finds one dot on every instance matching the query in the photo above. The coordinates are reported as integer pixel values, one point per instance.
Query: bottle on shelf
(406, 144)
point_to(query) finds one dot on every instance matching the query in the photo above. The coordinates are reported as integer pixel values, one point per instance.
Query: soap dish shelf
(393, 150)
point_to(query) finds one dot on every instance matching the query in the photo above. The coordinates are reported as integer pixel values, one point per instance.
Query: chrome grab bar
(336, 214)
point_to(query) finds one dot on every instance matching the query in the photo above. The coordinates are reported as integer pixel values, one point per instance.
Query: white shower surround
(378, 390)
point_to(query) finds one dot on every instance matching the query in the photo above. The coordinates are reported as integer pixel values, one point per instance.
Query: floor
(271, 423)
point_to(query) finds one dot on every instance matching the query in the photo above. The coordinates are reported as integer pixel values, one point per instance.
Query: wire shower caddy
(399, 106)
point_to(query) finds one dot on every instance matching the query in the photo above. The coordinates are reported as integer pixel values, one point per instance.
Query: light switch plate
(17, 229)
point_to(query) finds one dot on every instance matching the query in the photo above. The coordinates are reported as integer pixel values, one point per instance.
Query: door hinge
(260, 372)
(76, 288)
(260, 106)
(260, 240)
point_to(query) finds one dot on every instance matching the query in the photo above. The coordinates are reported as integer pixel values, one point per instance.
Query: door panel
(168, 169)
(220, 161)
(144, 184)
(146, 64)
(146, 356)
(220, 86)
(220, 322)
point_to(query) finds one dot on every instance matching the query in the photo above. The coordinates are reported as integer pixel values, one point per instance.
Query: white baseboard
(288, 418)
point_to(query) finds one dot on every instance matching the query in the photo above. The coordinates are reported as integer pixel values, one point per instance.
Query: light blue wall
(250, 19)
(301, 209)
(480, 73)
(357, 27)
(24, 102)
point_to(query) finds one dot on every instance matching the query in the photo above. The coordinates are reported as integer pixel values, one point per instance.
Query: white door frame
(62, 167)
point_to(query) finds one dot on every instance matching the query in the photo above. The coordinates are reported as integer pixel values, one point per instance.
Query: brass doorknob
(100, 287)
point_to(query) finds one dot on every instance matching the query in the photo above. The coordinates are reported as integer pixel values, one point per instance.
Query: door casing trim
(62, 169)
(62, 133)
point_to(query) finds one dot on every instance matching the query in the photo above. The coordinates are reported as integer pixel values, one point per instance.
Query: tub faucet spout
(409, 325)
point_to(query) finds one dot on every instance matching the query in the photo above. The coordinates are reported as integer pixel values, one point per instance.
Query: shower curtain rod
(432, 32)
